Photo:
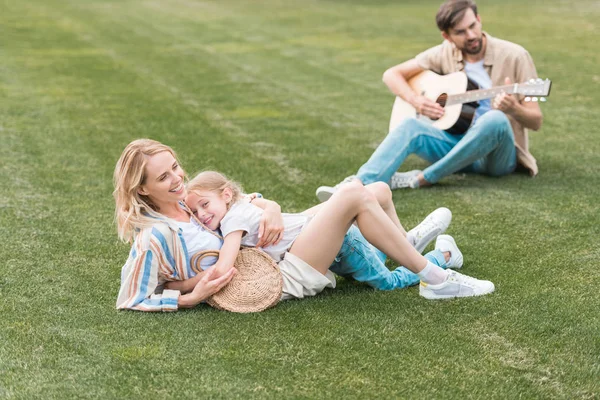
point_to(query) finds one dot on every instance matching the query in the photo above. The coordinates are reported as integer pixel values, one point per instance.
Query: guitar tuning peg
(534, 99)
(532, 80)
(539, 80)
(543, 99)
(527, 99)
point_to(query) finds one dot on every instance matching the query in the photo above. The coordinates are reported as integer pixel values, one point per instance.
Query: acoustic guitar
(459, 97)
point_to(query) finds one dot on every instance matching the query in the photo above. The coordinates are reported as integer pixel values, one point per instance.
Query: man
(494, 144)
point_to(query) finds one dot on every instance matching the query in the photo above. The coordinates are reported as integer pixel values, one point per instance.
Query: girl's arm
(211, 280)
(228, 252)
(227, 255)
(222, 267)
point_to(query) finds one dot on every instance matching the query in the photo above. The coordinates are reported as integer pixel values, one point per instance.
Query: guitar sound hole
(441, 100)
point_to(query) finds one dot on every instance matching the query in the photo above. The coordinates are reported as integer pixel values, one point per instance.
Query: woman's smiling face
(164, 181)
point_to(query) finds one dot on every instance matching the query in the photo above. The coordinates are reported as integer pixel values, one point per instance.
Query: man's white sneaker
(447, 243)
(404, 179)
(325, 192)
(433, 225)
(456, 285)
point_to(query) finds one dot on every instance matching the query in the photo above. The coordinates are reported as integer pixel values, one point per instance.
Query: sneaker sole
(432, 296)
(324, 193)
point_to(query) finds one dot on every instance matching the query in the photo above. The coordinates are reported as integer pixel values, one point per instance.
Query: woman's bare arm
(271, 226)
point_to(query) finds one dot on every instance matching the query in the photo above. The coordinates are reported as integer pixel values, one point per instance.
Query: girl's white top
(243, 216)
(197, 239)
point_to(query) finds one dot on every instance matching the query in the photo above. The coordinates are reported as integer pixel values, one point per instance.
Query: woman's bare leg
(320, 241)
(383, 194)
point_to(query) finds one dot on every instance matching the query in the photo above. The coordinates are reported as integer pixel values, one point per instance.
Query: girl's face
(208, 206)
(164, 179)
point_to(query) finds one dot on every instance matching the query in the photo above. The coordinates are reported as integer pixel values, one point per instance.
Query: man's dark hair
(452, 11)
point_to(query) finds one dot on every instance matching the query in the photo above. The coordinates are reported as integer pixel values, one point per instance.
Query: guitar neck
(482, 94)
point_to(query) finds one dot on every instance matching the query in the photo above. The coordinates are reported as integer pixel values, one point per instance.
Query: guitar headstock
(535, 89)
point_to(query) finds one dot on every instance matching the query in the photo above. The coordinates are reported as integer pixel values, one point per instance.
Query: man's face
(466, 34)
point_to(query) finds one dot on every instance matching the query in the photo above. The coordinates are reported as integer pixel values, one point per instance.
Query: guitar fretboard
(482, 94)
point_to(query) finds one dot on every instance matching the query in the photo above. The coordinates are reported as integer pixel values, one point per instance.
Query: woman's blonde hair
(215, 182)
(134, 211)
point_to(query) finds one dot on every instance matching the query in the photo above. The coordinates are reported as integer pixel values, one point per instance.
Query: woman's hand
(209, 284)
(271, 225)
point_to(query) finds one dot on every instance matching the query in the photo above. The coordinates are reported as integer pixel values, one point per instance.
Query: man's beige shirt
(502, 59)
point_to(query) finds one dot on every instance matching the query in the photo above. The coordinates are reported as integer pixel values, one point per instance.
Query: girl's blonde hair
(215, 182)
(134, 211)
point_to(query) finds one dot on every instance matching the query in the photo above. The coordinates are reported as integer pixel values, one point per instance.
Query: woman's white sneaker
(433, 225)
(456, 285)
(446, 243)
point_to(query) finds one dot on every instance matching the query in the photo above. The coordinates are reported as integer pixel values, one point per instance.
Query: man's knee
(495, 119)
(494, 123)
(408, 129)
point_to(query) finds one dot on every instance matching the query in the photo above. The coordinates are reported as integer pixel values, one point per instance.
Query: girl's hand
(271, 225)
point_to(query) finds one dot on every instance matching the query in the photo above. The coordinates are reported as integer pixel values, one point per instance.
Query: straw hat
(256, 286)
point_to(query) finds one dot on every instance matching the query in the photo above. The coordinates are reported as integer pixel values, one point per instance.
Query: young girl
(312, 240)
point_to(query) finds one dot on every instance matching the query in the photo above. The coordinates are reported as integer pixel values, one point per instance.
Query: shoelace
(401, 179)
(397, 180)
(425, 227)
(464, 279)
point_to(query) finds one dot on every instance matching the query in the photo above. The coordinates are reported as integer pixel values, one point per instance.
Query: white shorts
(301, 280)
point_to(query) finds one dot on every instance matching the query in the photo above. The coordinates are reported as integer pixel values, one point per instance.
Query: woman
(148, 193)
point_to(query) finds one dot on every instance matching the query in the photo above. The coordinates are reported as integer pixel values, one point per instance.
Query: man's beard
(473, 50)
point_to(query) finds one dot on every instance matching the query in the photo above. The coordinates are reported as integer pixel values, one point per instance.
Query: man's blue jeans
(488, 147)
(363, 262)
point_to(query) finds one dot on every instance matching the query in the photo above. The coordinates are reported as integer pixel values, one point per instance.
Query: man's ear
(227, 195)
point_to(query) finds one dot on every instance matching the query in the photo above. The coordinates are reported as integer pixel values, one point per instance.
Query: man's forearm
(398, 85)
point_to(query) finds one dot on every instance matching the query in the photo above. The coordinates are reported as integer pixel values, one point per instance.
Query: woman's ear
(141, 191)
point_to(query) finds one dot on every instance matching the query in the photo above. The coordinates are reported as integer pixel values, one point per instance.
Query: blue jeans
(488, 147)
(360, 260)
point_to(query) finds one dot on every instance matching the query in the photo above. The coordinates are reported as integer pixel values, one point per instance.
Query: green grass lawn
(285, 96)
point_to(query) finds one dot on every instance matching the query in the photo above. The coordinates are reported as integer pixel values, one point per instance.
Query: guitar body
(457, 118)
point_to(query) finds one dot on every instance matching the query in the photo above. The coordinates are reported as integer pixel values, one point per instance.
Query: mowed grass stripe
(201, 89)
